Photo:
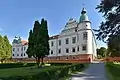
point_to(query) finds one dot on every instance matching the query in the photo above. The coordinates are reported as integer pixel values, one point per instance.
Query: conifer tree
(38, 45)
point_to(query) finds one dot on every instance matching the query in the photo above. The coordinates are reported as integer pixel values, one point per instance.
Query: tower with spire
(86, 33)
(83, 16)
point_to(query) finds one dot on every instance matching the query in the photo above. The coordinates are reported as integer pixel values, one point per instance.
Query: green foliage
(114, 46)
(15, 65)
(60, 64)
(38, 45)
(5, 48)
(101, 52)
(55, 73)
(111, 12)
(113, 70)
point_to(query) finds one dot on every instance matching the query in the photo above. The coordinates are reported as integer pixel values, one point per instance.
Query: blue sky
(17, 16)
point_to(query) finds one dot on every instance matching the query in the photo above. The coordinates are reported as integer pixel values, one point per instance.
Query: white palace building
(76, 41)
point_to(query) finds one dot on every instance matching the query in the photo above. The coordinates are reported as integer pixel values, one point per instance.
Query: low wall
(111, 59)
(82, 58)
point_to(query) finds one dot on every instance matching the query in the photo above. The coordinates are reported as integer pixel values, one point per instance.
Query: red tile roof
(24, 42)
(54, 37)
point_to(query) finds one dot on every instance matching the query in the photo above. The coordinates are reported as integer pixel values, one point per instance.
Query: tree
(101, 52)
(8, 47)
(111, 26)
(38, 45)
(5, 48)
(45, 39)
(114, 46)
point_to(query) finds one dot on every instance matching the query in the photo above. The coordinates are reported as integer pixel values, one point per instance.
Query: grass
(113, 71)
(21, 71)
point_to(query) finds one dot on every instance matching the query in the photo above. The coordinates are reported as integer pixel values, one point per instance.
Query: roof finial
(83, 10)
(83, 5)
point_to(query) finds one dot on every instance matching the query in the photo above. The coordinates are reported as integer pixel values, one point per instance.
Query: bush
(50, 73)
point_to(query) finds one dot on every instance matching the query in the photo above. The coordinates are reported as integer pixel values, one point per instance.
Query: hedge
(15, 65)
(113, 71)
(50, 74)
(60, 64)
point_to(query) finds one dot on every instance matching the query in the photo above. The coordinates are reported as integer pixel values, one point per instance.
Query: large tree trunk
(38, 61)
(41, 61)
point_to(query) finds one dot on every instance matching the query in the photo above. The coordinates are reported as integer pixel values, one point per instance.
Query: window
(67, 50)
(75, 29)
(78, 48)
(84, 48)
(21, 54)
(13, 49)
(18, 49)
(13, 55)
(73, 49)
(73, 39)
(73, 57)
(59, 51)
(24, 48)
(21, 48)
(24, 54)
(59, 42)
(67, 58)
(85, 35)
(51, 51)
(17, 54)
(52, 44)
(67, 41)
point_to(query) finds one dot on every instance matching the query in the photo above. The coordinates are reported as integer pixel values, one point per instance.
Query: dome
(17, 40)
(83, 16)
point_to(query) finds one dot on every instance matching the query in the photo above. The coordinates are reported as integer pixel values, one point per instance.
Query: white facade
(81, 31)
(76, 38)
(19, 48)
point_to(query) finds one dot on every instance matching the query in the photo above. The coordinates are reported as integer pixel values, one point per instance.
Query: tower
(85, 32)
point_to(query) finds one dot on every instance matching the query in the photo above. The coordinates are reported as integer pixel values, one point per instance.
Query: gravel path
(95, 71)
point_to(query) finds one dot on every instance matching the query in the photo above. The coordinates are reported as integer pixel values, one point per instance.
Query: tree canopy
(109, 30)
(5, 48)
(38, 41)
(101, 52)
(114, 46)
(111, 12)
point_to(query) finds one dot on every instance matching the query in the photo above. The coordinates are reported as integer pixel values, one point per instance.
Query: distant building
(19, 48)
(76, 41)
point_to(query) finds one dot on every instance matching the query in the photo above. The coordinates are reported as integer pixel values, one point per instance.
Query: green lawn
(54, 71)
(113, 70)
(21, 71)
